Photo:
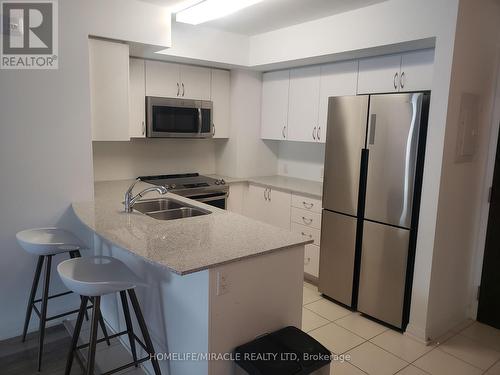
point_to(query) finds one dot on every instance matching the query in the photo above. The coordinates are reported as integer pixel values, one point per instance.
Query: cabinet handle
(394, 80)
(143, 128)
(373, 129)
(307, 261)
(402, 80)
(308, 205)
(269, 195)
(314, 133)
(213, 130)
(307, 235)
(318, 133)
(283, 132)
(183, 91)
(265, 196)
(307, 220)
(178, 89)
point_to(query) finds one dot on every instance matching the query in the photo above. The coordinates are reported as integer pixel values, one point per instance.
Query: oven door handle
(199, 120)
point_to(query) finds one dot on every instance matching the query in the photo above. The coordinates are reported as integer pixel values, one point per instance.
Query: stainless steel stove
(204, 189)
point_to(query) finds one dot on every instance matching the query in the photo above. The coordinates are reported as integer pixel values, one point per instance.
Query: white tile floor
(472, 348)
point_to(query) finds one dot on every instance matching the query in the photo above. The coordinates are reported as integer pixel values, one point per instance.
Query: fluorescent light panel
(208, 10)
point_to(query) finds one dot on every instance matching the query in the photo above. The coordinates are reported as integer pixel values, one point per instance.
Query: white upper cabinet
(303, 104)
(195, 82)
(337, 79)
(221, 98)
(379, 74)
(410, 71)
(274, 119)
(162, 79)
(417, 70)
(109, 90)
(137, 110)
(177, 81)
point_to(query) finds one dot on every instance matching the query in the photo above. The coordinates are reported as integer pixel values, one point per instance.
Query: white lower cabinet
(311, 260)
(297, 213)
(268, 205)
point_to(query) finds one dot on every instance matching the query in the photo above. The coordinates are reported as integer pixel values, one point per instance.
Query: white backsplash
(302, 160)
(139, 157)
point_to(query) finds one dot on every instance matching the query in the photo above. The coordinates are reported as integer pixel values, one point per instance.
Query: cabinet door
(417, 70)
(278, 213)
(137, 113)
(195, 82)
(337, 79)
(221, 98)
(303, 104)
(255, 203)
(109, 90)
(311, 260)
(274, 119)
(379, 74)
(162, 79)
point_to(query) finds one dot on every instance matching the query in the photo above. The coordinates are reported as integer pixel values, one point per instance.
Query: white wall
(477, 44)
(45, 148)
(245, 154)
(302, 160)
(145, 157)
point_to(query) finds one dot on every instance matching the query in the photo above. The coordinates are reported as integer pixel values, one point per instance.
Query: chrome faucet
(130, 200)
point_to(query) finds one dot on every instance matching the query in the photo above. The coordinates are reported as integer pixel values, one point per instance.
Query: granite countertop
(185, 245)
(291, 184)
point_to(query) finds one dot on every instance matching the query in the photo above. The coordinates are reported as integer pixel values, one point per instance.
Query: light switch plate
(468, 123)
(222, 283)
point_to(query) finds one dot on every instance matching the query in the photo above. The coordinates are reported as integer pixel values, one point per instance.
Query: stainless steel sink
(152, 205)
(168, 209)
(178, 213)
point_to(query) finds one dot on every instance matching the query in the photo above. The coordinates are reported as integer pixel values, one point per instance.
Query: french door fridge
(371, 193)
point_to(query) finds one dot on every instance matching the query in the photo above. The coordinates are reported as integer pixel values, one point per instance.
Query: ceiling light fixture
(207, 10)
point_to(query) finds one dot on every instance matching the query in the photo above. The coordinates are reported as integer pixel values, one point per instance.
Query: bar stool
(91, 278)
(45, 243)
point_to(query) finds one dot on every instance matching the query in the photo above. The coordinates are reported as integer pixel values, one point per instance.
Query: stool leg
(144, 331)
(130, 328)
(31, 300)
(96, 301)
(76, 334)
(43, 313)
(76, 254)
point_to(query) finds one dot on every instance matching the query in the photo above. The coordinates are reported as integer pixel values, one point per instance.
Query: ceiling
(275, 14)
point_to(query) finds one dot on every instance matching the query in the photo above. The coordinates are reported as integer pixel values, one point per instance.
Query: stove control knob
(217, 182)
(167, 186)
(222, 182)
(173, 186)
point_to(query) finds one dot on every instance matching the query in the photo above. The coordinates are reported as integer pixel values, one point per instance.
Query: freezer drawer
(337, 251)
(345, 139)
(383, 272)
(392, 141)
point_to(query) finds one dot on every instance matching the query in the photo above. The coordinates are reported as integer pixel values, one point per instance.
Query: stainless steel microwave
(178, 118)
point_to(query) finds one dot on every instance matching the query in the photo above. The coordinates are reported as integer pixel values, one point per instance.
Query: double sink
(168, 209)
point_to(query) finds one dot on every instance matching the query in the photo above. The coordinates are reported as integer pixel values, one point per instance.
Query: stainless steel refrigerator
(373, 170)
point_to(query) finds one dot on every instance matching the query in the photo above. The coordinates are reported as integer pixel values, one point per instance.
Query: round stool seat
(48, 241)
(96, 276)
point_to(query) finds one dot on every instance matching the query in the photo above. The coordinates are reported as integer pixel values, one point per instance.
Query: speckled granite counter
(185, 245)
(291, 184)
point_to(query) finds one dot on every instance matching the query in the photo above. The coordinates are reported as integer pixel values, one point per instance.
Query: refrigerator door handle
(373, 128)
(410, 157)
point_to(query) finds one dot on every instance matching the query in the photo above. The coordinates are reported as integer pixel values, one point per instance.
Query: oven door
(216, 198)
(178, 118)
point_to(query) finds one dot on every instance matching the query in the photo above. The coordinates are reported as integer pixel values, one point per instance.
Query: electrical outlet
(285, 168)
(222, 283)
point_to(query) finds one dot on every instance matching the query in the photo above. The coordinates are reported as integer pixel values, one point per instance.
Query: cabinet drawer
(311, 260)
(306, 217)
(312, 233)
(306, 203)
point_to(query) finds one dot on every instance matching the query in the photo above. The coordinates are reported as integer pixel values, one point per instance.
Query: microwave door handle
(199, 120)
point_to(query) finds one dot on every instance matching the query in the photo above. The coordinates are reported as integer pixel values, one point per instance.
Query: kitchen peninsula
(212, 282)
